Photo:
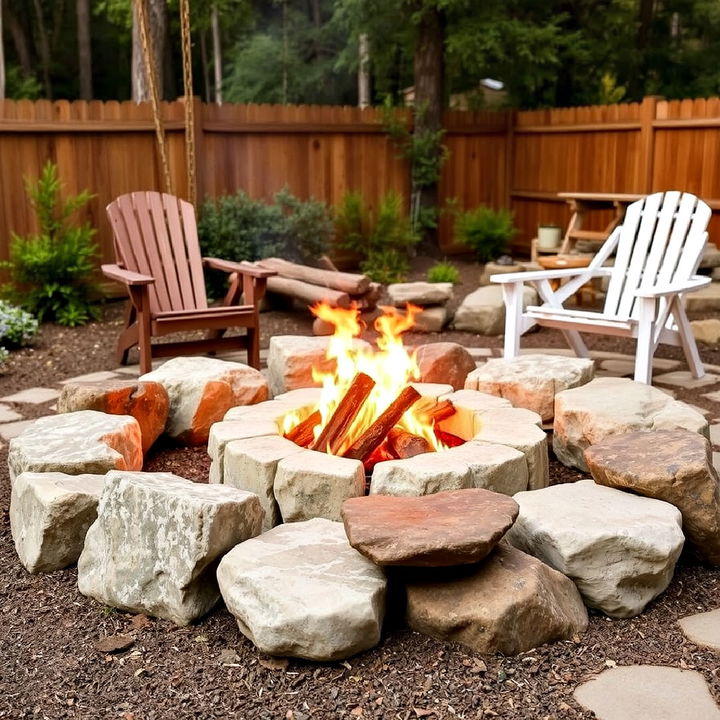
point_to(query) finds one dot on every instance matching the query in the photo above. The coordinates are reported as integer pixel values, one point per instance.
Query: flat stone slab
(703, 629)
(483, 311)
(202, 390)
(609, 406)
(33, 396)
(95, 377)
(684, 379)
(444, 362)
(75, 443)
(156, 540)
(639, 692)
(431, 319)
(704, 299)
(531, 381)
(301, 590)
(706, 331)
(50, 514)
(447, 528)
(670, 465)
(8, 415)
(419, 293)
(619, 549)
(509, 603)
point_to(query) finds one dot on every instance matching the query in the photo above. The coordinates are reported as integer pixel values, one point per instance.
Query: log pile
(311, 285)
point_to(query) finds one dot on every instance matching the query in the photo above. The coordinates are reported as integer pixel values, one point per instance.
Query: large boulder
(619, 549)
(49, 517)
(421, 475)
(301, 590)
(444, 362)
(447, 528)
(147, 402)
(483, 310)
(419, 293)
(671, 465)
(202, 390)
(613, 406)
(83, 442)
(531, 381)
(156, 540)
(510, 603)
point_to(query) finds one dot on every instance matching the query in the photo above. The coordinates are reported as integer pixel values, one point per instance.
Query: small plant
(52, 272)
(17, 327)
(443, 272)
(309, 227)
(488, 232)
(382, 239)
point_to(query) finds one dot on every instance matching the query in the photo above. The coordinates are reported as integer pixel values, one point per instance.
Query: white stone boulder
(311, 484)
(156, 540)
(300, 590)
(531, 381)
(419, 293)
(49, 517)
(612, 406)
(499, 468)
(483, 311)
(619, 549)
(202, 390)
(75, 443)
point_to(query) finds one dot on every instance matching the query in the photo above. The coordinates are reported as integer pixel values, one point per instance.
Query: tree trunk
(43, 49)
(84, 51)
(20, 40)
(2, 56)
(637, 79)
(217, 54)
(205, 66)
(429, 71)
(156, 16)
(363, 71)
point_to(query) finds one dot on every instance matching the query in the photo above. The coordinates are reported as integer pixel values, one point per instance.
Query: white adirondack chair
(657, 252)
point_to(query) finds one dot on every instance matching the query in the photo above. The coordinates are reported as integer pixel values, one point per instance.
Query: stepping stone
(704, 299)
(202, 390)
(619, 549)
(607, 406)
(706, 331)
(300, 590)
(447, 528)
(147, 402)
(703, 629)
(7, 415)
(652, 692)
(670, 465)
(157, 538)
(33, 396)
(683, 379)
(531, 381)
(292, 358)
(431, 319)
(483, 310)
(444, 362)
(713, 396)
(480, 353)
(8, 431)
(77, 443)
(509, 603)
(419, 293)
(715, 434)
(49, 516)
(95, 377)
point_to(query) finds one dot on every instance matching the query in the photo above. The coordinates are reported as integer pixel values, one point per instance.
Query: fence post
(647, 143)
(510, 116)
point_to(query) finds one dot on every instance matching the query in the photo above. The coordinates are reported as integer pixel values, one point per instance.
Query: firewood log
(307, 293)
(302, 434)
(345, 282)
(405, 444)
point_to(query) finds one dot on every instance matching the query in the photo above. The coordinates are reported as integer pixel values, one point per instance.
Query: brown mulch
(51, 665)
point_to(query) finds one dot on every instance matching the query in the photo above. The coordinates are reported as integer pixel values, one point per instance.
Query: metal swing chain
(188, 86)
(152, 82)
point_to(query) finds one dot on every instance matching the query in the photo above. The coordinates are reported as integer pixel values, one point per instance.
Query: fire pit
(371, 428)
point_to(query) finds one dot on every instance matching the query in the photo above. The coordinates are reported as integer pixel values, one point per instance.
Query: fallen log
(404, 444)
(345, 282)
(307, 293)
(303, 433)
(370, 299)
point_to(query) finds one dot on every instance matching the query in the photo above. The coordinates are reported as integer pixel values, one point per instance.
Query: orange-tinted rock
(147, 402)
(444, 362)
(447, 528)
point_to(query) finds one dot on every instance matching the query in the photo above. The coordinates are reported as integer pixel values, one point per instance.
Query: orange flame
(392, 368)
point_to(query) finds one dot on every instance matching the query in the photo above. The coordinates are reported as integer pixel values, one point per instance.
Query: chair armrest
(694, 283)
(244, 268)
(127, 277)
(547, 274)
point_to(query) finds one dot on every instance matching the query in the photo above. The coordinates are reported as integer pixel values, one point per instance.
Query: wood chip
(114, 643)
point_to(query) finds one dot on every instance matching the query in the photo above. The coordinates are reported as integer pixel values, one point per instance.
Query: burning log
(332, 435)
(362, 448)
(448, 438)
(404, 444)
(302, 434)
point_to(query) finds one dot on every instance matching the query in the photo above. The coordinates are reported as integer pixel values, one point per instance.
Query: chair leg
(144, 343)
(645, 346)
(513, 297)
(253, 347)
(576, 343)
(687, 338)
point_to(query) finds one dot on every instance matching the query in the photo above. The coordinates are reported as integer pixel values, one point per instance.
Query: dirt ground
(51, 666)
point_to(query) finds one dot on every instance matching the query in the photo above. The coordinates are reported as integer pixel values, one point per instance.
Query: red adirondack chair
(158, 260)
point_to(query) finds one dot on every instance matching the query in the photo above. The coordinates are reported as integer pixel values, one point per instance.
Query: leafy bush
(383, 239)
(52, 272)
(17, 327)
(443, 272)
(488, 232)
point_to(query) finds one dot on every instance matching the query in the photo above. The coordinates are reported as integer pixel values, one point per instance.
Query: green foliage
(443, 272)
(488, 232)
(19, 86)
(52, 272)
(382, 239)
(309, 228)
(17, 326)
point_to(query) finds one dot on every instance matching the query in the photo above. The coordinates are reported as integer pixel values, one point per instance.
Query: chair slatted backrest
(156, 234)
(661, 242)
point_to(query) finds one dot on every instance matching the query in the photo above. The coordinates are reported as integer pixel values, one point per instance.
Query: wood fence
(505, 159)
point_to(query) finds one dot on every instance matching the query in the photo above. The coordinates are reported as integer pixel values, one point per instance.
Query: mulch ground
(51, 666)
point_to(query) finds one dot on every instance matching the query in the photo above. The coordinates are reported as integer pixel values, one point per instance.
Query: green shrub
(52, 272)
(488, 232)
(383, 239)
(443, 272)
(17, 327)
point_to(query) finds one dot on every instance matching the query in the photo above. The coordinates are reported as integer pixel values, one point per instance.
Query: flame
(391, 366)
